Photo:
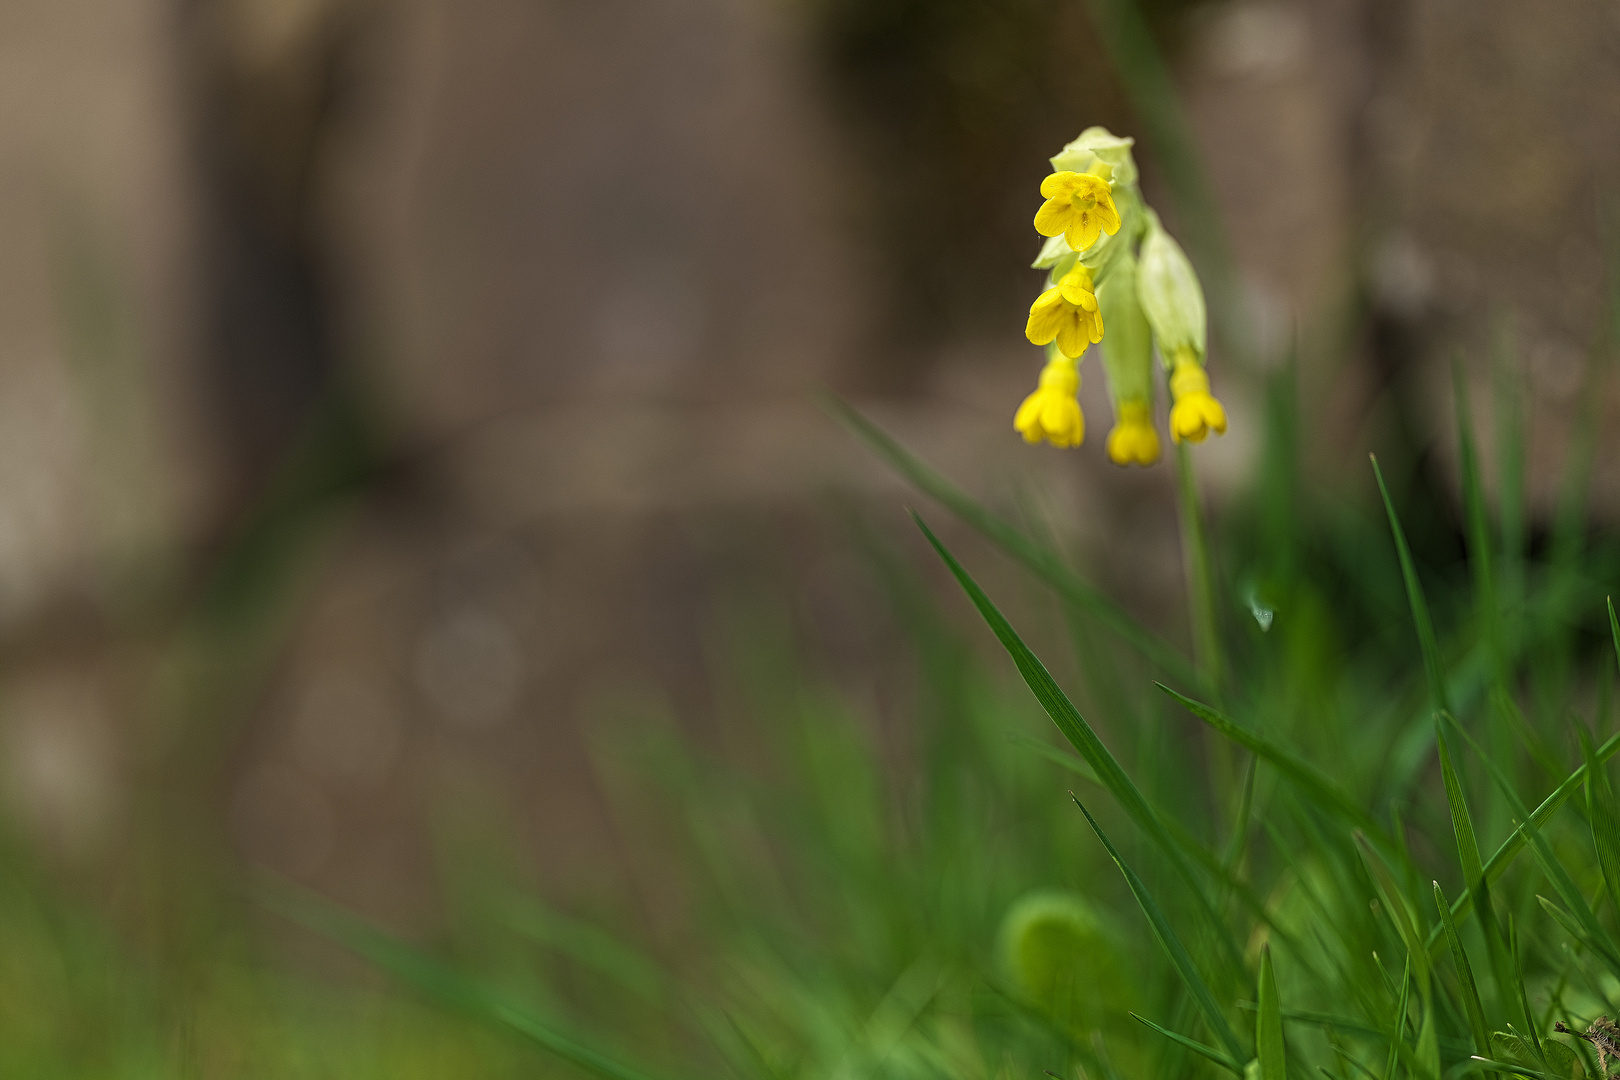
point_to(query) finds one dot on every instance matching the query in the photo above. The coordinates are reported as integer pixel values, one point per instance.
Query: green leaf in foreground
(1179, 957)
(1268, 1032)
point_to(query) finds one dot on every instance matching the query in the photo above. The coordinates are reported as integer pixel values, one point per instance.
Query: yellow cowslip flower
(1196, 412)
(1133, 440)
(1066, 313)
(1078, 205)
(1052, 412)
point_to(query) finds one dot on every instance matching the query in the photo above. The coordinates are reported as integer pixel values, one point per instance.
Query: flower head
(1078, 205)
(1067, 313)
(1133, 440)
(1196, 412)
(1052, 412)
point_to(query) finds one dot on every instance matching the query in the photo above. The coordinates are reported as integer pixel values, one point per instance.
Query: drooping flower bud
(1170, 293)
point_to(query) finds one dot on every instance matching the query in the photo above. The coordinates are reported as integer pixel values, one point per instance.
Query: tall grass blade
(1603, 818)
(1614, 629)
(1465, 976)
(1400, 913)
(1550, 865)
(1504, 855)
(1223, 1060)
(1414, 597)
(1462, 823)
(1268, 1031)
(1043, 563)
(1084, 739)
(1310, 779)
(1177, 952)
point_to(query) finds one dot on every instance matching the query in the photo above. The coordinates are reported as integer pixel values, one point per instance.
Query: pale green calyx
(1171, 296)
(1098, 145)
(1128, 350)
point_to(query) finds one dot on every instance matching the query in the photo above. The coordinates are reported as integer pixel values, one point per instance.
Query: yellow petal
(1083, 230)
(1076, 287)
(1060, 185)
(1046, 316)
(1026, 421)
(1072, 338)
(1054, 216)
(1094, 325)
(1107, 215)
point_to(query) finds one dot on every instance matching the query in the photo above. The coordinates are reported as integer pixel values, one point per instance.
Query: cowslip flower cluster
(1111, 265)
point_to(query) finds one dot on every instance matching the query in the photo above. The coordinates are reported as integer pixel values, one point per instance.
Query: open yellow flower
(1196, 412)
(1133, 440)
(1052, 412)
(1066, 313)
(1078, 205)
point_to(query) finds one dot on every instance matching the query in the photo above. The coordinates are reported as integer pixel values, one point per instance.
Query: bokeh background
(390, 389)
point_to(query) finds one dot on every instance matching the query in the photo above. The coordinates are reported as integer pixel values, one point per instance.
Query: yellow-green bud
(1170, 293)
(1099, 145)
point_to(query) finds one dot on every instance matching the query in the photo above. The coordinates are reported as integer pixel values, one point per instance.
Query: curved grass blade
(1040, 561)
(1315, 782)
(1414, 597)
(1081, 736)
(1223, 1060)
(1465, 976)
(1268, 1032)
(1172, 945)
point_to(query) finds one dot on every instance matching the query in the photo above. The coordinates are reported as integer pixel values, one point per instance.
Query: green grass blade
(1570, 924)
(1524, 994)
(438, 980)
(1504, 855)
(1465, 976)
(1462, 823)
(1614, 629)
(1312, 780)
(1177, 952)
(1550, 865)
(1268, 1032)
(1396, 1045)
(1603, 818)
(1040, 561)
(1414, 597)
(1084, 739)
(1400, 912)
(1223, 1060)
